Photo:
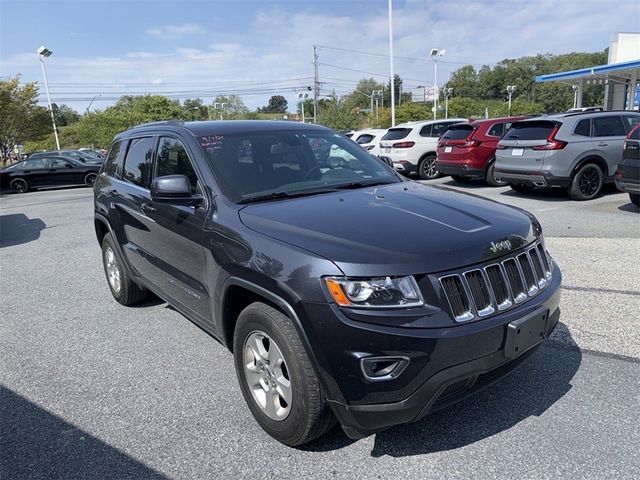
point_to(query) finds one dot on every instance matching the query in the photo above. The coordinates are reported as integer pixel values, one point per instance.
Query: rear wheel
(521, 187)
(427, 168)
(90, 179)
(277, 379)
(635, 199)
(19, 185)
(122, 287)
(491, 179)
(587, 182)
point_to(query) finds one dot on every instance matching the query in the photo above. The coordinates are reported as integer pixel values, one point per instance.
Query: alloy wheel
(589, 182)
(19, 186)
(267, 375)
(428, 168)
(113, 272)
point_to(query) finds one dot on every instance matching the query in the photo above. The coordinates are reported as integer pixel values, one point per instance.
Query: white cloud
(275, 45)
(172, 32)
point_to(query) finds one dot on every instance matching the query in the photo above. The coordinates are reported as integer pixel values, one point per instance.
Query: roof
(221, 127)
(622, 70)
(427, 122)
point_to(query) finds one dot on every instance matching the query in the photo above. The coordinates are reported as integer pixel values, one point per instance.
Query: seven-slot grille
(480, 292)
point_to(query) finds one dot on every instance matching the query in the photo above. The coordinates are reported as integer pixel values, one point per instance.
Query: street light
(447, 93)
(575, 95)
(510, 90)
(44, 52)
(302, 96)
(94, 97)
(435, 54)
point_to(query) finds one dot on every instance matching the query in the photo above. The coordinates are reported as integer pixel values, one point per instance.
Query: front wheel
(19, 185)
(635, 199)
(427, 168)
(491, 179)
(586, 183)
(122, 287)
(277, 379)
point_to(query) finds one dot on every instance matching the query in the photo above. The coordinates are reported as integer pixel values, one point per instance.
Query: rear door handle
(148, 208)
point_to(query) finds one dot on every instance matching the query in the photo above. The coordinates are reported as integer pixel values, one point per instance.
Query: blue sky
(260, 48)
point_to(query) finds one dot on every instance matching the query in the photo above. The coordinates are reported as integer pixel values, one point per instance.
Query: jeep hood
(404, 228)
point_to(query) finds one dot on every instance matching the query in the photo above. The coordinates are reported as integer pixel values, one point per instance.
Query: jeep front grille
(481, 291)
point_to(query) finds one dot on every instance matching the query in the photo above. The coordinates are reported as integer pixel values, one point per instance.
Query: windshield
(285, 163)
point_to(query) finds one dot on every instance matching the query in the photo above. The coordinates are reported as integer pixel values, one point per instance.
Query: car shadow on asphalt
(38, 444)
(529, 391)
(629, 207)
(17, 228)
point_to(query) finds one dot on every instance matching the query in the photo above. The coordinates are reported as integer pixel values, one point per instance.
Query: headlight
(382, 292)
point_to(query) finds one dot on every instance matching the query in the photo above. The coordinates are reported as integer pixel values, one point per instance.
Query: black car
(344, 291)
(627, 176)
(78, 155)
(52, 171)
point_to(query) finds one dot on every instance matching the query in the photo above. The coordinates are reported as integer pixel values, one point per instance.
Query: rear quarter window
(114, 158)
(583, 128)
(496, 130)
(365, 138)
(396, 133)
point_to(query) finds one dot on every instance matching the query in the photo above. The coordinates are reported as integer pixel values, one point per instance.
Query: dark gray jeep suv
(344, 291)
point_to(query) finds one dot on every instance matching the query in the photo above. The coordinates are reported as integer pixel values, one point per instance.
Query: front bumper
(446, 364)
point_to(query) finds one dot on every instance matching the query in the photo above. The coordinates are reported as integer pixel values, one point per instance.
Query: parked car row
(85, 156)
(48, 171)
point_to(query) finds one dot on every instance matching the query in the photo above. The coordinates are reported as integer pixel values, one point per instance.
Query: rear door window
(365, 138)
(35, 164)
(583, 128)
(397, 133)
(608, 127)
(537, 130)
(137, 164)
(437, 129)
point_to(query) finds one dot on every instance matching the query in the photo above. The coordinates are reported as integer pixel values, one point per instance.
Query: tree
(64, 115)
(21, 119)
(361, 96)
(193, 109)
(277, 104)
(234, 108)
(333, 113)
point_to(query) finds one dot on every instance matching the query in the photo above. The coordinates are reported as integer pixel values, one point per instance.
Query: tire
(459, 179)
(521, 187)
(89, 179)
(122, 287)
(261, 328)
(490, 178)
(635, 199)
(427, 168)
(19, 185)
(586, 183)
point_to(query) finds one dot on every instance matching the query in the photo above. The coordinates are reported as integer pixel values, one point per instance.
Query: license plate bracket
(517, 152)
(447, 149)
(525, 333)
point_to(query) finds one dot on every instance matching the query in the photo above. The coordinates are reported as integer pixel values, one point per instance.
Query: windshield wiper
(369, 183)
(282, 194)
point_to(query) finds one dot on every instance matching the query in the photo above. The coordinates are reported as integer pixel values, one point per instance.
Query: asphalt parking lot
(91, 389)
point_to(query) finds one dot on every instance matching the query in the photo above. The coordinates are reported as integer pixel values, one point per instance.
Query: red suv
(467, 150)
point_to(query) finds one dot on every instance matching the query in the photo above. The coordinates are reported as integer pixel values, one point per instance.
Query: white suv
(369, 139)
(412, 146)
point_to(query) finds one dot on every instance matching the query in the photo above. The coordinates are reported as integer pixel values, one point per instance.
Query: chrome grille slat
(482, 291)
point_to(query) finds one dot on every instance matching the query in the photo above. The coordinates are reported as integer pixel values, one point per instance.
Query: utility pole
(392, 74)
(315, 84)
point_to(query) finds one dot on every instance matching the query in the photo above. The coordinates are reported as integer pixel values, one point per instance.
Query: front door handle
(148, 208)
(601, 144)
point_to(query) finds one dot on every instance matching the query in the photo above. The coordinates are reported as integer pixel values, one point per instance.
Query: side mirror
(175, 190)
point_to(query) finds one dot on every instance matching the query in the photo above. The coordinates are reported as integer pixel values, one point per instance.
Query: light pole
(94, 97)
(302, 96)
(575, 95)
(435, 53)
(220, 106)
(510, 90)
(447, 93)
(44, 52)
(392, 74)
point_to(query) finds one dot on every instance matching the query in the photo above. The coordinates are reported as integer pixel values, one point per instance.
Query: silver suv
(578, 151)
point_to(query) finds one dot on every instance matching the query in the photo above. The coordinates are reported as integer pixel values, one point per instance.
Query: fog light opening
(377, 369)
